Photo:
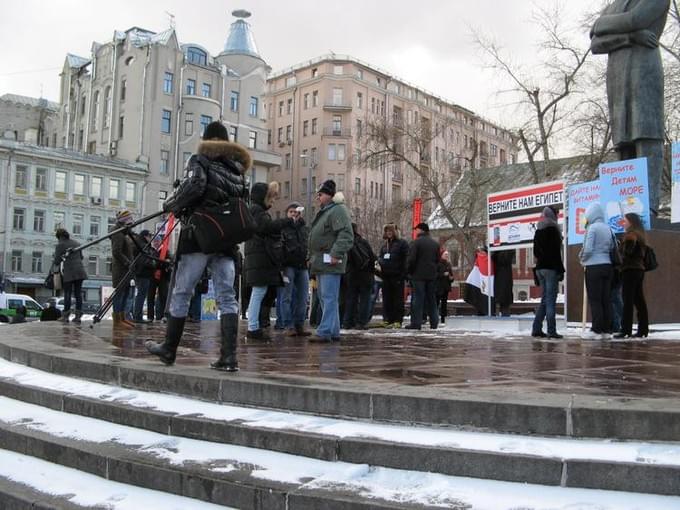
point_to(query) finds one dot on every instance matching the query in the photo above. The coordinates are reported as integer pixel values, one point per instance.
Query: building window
(331, 152)
(233, 101)
(41, 179)
(205, 120)
(289, 106)
(305, 128)
(166, 122)
(96, 187)
(165, 162)
(337, 70)
(289, 133)
(315, 72)
(312, 156)
(79, 185)
(360, 74)
(315, 126)
(20, 177)
(92, 263)
(206, 90)
(17, 255)
(233, 133)
(280, 108)
(196, 56)
(107, 107)
(39, 221)
(303, 186)
(109, 266)
(37, 262)
(189, 124)
(341, 182)
(83, 106)
(191, 87)
(95, 111)
(252, 139)
(121, 128)
(304, 158)
(130, 192)
(167, 82)
(286, 189)
(287, 161)
(123, 90)
(315, 98)
(290, 81)
(337, 96)
(77, 228)
(95, 221)
(279, 133)
(252, 107)
(341, 152)
(110, 223)
(360, 129)
(305, 101)
(114, 189)
(360, 100)
(60, 182)
(337, 125)
(357, 185)
(18, 219)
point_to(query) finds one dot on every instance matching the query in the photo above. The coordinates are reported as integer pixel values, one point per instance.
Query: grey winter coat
(599, 239)
(74, 269)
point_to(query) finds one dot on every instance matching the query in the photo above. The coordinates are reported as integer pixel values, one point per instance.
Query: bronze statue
(629, 31)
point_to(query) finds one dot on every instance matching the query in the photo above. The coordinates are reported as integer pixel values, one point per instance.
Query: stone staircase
(292, 443)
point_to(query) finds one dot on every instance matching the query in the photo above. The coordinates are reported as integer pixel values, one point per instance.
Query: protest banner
(624, 189)
(579, 197)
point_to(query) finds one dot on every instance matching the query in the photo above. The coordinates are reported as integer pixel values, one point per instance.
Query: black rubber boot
(173, 334)
(229, 332)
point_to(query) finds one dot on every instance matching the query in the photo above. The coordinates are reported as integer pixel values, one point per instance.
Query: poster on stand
(579, 197)
(624, 189)
(512, 215)
(675, 177)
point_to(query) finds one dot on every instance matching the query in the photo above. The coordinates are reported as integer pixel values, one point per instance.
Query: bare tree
(542, 92)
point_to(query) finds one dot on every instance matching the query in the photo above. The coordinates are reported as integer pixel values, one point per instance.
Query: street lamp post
(310, 169)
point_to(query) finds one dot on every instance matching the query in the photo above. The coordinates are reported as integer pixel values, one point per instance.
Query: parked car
(10, 302)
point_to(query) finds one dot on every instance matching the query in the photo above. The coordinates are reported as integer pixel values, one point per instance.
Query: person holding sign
(596, 258)
(632, 251)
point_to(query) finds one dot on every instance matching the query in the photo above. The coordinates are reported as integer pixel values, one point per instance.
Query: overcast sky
(426, 42)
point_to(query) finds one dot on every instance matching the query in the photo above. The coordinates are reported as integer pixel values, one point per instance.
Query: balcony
(341, 132)
(338, 106)
(397, 175)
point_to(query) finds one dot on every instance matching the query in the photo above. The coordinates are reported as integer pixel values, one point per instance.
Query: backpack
(649, 259)
(361, 255)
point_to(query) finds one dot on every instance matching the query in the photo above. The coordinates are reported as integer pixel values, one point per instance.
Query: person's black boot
(229, 333)
(173, 334)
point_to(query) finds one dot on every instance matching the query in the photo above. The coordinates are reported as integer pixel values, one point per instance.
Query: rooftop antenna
(171, 18)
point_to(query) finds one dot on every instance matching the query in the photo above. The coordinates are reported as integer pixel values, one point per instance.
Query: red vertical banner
(417, 215)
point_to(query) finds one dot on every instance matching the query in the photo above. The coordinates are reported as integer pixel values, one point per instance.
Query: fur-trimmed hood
(339, 198)
(265, 194)
(220, 150)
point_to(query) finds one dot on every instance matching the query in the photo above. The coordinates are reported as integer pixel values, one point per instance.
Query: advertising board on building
(513, 214)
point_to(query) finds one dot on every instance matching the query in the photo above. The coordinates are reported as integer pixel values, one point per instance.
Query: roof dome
(240, 40)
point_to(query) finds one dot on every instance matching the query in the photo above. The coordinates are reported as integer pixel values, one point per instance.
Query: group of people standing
(614, 274)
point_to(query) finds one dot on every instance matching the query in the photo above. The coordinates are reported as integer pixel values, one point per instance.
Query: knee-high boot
(173, 334)
(229, 332)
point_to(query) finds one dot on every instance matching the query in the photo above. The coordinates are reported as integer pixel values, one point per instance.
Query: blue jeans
(142, 291)
(329, 292)
(254, 305)
(547, 279)
(189, 270)
(294, 297)
(424, 298)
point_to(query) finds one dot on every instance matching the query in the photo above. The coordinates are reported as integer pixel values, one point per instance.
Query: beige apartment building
(317, 113)
(144, 97)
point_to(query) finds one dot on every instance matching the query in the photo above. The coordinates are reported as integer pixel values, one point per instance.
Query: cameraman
(213, 176)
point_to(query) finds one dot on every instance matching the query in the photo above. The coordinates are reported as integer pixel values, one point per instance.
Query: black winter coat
(123, 253)
(355, 275)
(74, 269)
(502, 281)
(444, 277)
(548, 249)
(395, 265)
(295, 240)
(263, 256)
(212, 176)
(423, 258)
(146, 265)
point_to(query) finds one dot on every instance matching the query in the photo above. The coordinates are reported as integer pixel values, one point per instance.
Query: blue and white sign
(624, 189)
(579, 197)
(675, 190)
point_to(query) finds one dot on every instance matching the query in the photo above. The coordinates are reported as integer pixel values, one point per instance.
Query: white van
(10, 302)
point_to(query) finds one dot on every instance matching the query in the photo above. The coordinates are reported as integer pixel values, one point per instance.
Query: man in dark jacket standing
(263, 254)
(144, 269)
(122, 252)
(392, 259)
(422, 268)
(73, 273)
(549, 271)
(359, 283)
(296, 290)
(213, 177)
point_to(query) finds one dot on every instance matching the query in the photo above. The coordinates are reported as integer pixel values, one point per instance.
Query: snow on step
(369, 482)
(89, 490)
(563, 449)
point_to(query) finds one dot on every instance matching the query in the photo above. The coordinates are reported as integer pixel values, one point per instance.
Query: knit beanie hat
(124, 217)
(328, 187)
(216, 130)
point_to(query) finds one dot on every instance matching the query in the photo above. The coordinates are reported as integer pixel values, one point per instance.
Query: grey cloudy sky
(426, 42)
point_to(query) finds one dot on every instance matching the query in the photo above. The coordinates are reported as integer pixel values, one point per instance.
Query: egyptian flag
(479, 284)
(165, 244)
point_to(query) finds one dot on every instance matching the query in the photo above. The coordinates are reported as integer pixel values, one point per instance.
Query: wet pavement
(444, 359)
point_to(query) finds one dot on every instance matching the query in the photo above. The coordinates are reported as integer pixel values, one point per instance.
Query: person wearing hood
(595, 257)
(330, 239)
(263, 254)
(392, 259)
(213, 177)
(549, 271)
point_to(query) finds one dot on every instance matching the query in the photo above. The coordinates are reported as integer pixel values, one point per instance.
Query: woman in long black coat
(72, 274)
(444, 281)
(502, 281)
